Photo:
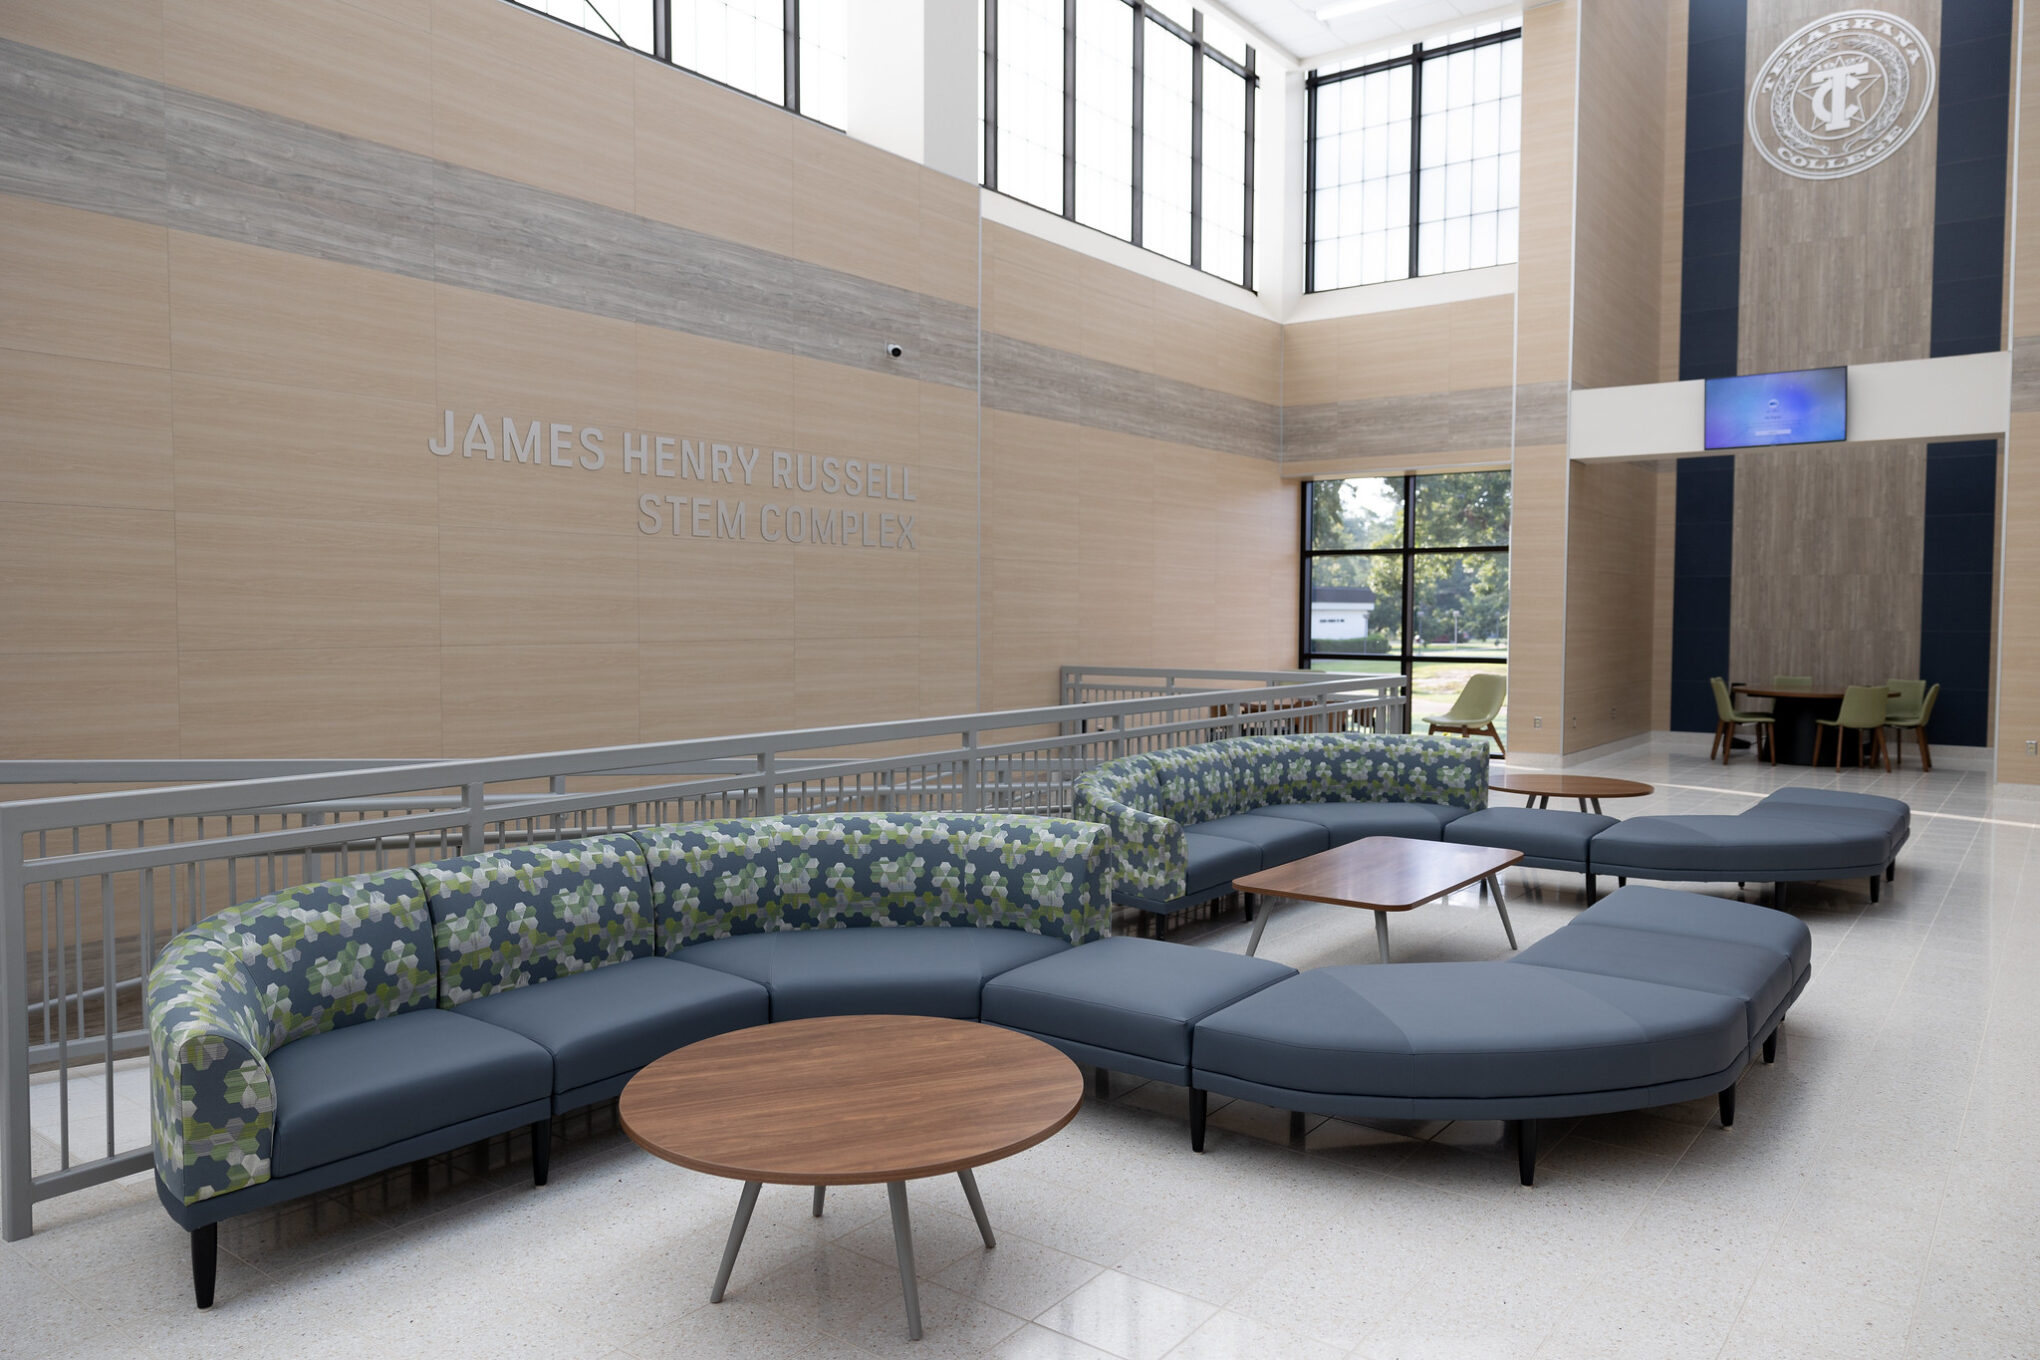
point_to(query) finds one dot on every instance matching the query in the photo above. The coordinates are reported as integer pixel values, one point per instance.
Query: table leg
(1494, 882)
(820, 1190)
(1597, 808)
(1381, 933)
(977, 1207)
(903, 1245)
(745, 1203)
(1583, 805)
(1260, 924)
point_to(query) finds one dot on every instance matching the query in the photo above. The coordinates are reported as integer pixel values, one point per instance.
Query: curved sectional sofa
(330, 1031)
(1189, 820)
(326, 1032)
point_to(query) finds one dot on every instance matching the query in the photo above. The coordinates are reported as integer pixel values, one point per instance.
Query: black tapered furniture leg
(1247, 904)
(1891, 871)
(541, 1151)
(1197, 1106)
(1526, 1148)
(1593, 890)
(1874, 886)
(1727, 1099)
(1101, 1083)
(205, 1262)
(1296, 1126)
(1771, 1046)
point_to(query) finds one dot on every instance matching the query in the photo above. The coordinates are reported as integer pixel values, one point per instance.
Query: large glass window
(1454, 112)
(1132, 116)
(749, 45)
(1409, 575)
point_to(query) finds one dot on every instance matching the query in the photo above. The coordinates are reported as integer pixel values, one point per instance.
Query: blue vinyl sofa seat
(1793, 835)
(1188, 820)
(1549, 838)
(1648, 998)
(330, 1031)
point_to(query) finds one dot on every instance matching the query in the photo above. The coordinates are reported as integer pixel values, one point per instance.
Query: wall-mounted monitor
(1810, 406)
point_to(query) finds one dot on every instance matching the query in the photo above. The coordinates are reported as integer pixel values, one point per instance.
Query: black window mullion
(1310, 101)
(1197, 139)
(1416, 149)
(1069, 175)
(791, 35)
(992, 94)
(1247, 187)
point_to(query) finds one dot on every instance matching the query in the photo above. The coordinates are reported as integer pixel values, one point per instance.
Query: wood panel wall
(222, 534)
(2018, 637)
(1544, 302)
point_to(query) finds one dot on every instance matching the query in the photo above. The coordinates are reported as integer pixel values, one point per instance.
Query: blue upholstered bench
(330, 1031)
(1188, 820)
(1794, 835)
(1650, 998)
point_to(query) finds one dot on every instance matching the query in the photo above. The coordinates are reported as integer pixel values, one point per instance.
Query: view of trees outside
(1398, 539)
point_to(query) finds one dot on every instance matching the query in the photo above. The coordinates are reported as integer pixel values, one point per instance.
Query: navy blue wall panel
(1969, 178)
(1701, 567)
(1955, 579)
(1711, 239)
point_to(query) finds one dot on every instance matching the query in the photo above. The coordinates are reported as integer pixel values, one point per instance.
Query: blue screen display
(1810, 406)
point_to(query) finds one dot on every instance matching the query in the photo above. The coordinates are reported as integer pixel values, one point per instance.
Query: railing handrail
(268, 791)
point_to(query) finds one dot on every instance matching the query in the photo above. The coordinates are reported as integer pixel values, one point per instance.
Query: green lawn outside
(1433, 684)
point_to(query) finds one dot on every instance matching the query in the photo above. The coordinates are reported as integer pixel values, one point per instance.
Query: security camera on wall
(894, 351)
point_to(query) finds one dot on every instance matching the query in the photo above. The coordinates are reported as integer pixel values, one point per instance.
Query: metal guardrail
(92, 885)
(1102, 684)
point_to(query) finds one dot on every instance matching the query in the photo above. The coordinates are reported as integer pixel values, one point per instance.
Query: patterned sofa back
(1044, 875)
(1147, 800)
(240, 984)
(509, 918)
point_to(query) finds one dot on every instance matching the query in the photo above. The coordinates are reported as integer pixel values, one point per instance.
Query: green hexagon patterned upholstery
(244, 982)
(1044, 875)
(1149, 799)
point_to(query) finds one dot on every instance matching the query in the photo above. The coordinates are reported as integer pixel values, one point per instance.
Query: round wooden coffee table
(1540, 787)
(851, 1100)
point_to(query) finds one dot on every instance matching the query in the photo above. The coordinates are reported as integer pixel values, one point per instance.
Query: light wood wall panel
(2018, 636)
(1836, 271)
(1611, 556)
(1672, 222)
(1544, 297)
(1826, 578)
(229, 525)
(1620, 211)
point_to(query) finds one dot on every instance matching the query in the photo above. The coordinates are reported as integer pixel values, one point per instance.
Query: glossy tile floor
(1878, 1196)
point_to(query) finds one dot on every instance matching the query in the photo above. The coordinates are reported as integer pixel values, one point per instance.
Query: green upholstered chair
(1474, 712)
(1728, 717)
(1791, 682)
(1916, 721)
(1903, 699)
(1862, 711)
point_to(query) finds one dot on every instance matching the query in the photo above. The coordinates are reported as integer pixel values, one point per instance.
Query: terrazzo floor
(1878, 1196)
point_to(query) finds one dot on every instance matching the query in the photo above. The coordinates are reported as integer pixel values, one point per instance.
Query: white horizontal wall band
(1956, 397)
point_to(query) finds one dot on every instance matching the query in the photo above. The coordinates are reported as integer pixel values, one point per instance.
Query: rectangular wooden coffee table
(1382, 874)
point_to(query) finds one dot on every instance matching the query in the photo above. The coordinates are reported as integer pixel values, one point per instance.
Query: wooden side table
(1382, 874)
(851, 1100)
(1540, 787)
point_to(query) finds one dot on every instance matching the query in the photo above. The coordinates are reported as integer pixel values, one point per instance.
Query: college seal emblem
(1841, 94)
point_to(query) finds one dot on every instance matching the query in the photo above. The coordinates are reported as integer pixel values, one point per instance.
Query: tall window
(1408, 575)
(791, 52)
(1132, 116)
(1452, 111)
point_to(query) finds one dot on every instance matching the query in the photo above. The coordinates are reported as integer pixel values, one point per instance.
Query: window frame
(662, 50)
(1315, 80)
(1140, 14)
(1407, 552)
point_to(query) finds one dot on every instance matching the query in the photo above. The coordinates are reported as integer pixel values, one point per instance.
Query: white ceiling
(1294, 25)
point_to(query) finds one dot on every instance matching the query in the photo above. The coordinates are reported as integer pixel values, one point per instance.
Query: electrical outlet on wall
(1539, 722)
(2033, 748)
